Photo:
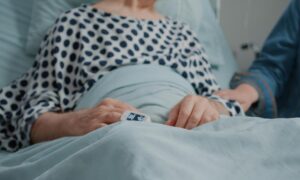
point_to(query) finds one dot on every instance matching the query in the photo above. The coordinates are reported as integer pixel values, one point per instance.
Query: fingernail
(171, 123)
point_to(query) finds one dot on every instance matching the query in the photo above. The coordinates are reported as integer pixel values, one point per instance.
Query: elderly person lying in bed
(84, 45)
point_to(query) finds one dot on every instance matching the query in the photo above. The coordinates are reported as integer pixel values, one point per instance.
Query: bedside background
(249, 21)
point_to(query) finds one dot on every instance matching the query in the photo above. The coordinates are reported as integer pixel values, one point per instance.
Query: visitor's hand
(193, 111)
(245, 94)
(53, 125)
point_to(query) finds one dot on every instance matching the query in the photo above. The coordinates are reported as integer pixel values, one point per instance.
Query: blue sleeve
(272, 69)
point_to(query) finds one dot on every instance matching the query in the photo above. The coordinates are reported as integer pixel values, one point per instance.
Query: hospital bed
(239, 148)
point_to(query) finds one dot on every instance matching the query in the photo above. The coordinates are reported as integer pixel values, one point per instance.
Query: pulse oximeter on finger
(134, 116)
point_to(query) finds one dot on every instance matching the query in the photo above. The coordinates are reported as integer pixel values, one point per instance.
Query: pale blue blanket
(238, 148)
(153, 89)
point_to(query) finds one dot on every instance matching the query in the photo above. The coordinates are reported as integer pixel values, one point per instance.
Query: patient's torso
(106, 42)
(85, 45)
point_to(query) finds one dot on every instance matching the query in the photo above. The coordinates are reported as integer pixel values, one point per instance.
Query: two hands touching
(189, 113)
(194, 111)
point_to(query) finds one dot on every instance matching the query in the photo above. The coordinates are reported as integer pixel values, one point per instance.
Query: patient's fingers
(106, 114)
(209, 116)
(102, 109)
(173, 115)
(195, 116)
(120, 104)
(97, 126)
(110, 117)
(111, 102)
(186, 109)
(191, 112)
(101, 125)
(117, 103)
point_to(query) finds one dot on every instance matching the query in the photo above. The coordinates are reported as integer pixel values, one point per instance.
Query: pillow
(15, 17)
(202, 19)
(197, 13)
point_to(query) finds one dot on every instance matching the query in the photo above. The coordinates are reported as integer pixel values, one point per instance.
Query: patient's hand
(52, 125)
(193, 111)
(107, 112)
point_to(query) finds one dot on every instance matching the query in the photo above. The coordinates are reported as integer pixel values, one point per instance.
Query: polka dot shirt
(85, 44)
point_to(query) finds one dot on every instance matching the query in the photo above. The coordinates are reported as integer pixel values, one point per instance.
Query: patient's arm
(50, 126)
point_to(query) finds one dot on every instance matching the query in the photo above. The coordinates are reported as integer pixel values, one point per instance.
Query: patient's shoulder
(76, 15)
(183, 29)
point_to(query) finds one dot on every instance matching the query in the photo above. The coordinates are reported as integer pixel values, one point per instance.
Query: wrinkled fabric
(229, 149)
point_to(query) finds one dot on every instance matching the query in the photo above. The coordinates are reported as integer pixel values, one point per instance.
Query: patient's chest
(92, 43)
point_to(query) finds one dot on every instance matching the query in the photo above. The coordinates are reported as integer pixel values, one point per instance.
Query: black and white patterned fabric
(83, 46)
